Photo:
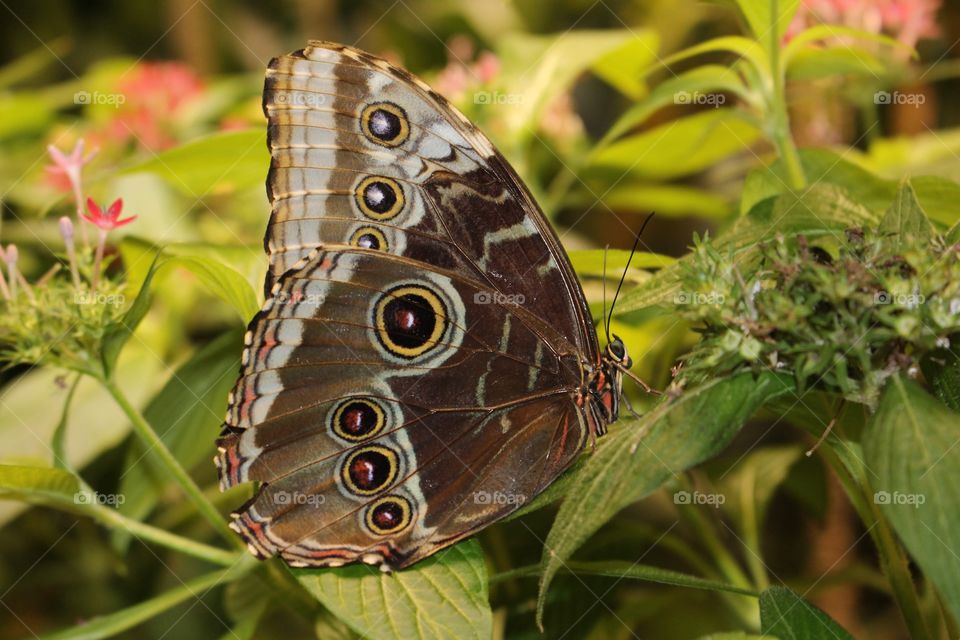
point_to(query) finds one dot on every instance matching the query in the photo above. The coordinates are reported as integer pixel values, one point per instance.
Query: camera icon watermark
(497, 97)
(495, 297)
(697, 497)
(298, 297)
(899, 97)
(299, 98)
(902, 499)
(499, 498)
(98, 297)
(712, 298)
(95, 498)
(99, 98)
(699, 98)
(907, 300)
(294, 498)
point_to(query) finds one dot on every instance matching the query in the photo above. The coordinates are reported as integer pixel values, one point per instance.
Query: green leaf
(756, 478)
(837, 33)
(679, 90)
(560, 60)
(680, 147)
(666, 199)
(116, 334)
(941, 368)
(632, 571)
(910, 444)
(635, 460)
(590, 262)
(444, 596)
(186, 414)
(813, 64)
(623, 67)
(221, 162)
(221, 280)
(738, 45)
(768, 19)
(45, 486)
(906, 222)
(58, 441)
(787, 616)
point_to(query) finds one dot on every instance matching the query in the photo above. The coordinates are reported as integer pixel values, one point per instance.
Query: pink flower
(106, 221)
(69, 166)
(906, 20)
(155, 95)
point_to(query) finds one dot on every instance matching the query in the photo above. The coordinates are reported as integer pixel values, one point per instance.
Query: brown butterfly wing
(394, 396)
(464, 207)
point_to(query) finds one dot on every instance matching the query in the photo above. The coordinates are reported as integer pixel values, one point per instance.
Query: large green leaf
(787, 616)
(117, 333)
(186, 414)
(680, 147)
(224, 161)
(905, 223)
(638, 458)
(445, 596)
(910, 445)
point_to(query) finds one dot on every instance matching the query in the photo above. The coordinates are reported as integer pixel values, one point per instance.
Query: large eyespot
(369, 238)
(385, 123)
(379, 198)
(369, 470)
(358, 419)
(409, 320)
(387, 515)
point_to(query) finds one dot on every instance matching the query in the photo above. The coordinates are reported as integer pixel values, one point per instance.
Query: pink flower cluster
(906, 20)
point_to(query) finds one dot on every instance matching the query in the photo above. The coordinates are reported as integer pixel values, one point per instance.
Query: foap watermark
(699, 98)
(497, 97)
(908, 300)
(98, 297)
(99, 98)
(698, 497)
(495, 297)
(300, 98)
(899, 97)
(298, 297)
(901, 499)
(298, 498)
(103, 499)
(698, 297)
(499, 497)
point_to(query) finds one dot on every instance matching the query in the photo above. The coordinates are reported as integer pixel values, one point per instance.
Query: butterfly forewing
(415, 373)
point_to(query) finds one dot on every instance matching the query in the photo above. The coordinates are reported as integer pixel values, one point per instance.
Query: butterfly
(425, 361)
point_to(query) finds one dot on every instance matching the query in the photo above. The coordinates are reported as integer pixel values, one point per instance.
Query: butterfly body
(425, 362)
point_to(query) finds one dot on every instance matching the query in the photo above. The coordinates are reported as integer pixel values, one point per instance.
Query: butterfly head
(617, 353)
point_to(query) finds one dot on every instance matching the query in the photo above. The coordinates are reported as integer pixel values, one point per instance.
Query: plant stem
(114, 623)
(156, 447)
(893, 559)
(780, 133)
(113, 518)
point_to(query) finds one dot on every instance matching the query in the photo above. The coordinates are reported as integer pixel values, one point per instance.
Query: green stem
(113, 518)
(114, 623)
(780, 134)
(156, 447)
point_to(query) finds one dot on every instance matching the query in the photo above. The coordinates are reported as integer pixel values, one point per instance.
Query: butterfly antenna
(606, 325)
(636, 243)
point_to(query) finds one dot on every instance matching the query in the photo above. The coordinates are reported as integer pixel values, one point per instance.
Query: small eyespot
(409, 320)
(369, 238)
(369, 470)
(385, 124)
(358, 419)
(388, 515)
(379, 198)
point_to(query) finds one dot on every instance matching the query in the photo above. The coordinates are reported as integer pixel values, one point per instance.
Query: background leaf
(911, 446)
(636, 459)
(787, 616)
(444, 596)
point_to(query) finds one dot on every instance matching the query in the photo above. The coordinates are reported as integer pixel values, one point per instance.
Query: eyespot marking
(385, 123)
(388, 515)
(369, 470)
(379, 198)
(409, 320)
(357, 419)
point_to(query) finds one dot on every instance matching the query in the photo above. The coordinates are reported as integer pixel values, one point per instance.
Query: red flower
(106, 221)
(66, 168)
